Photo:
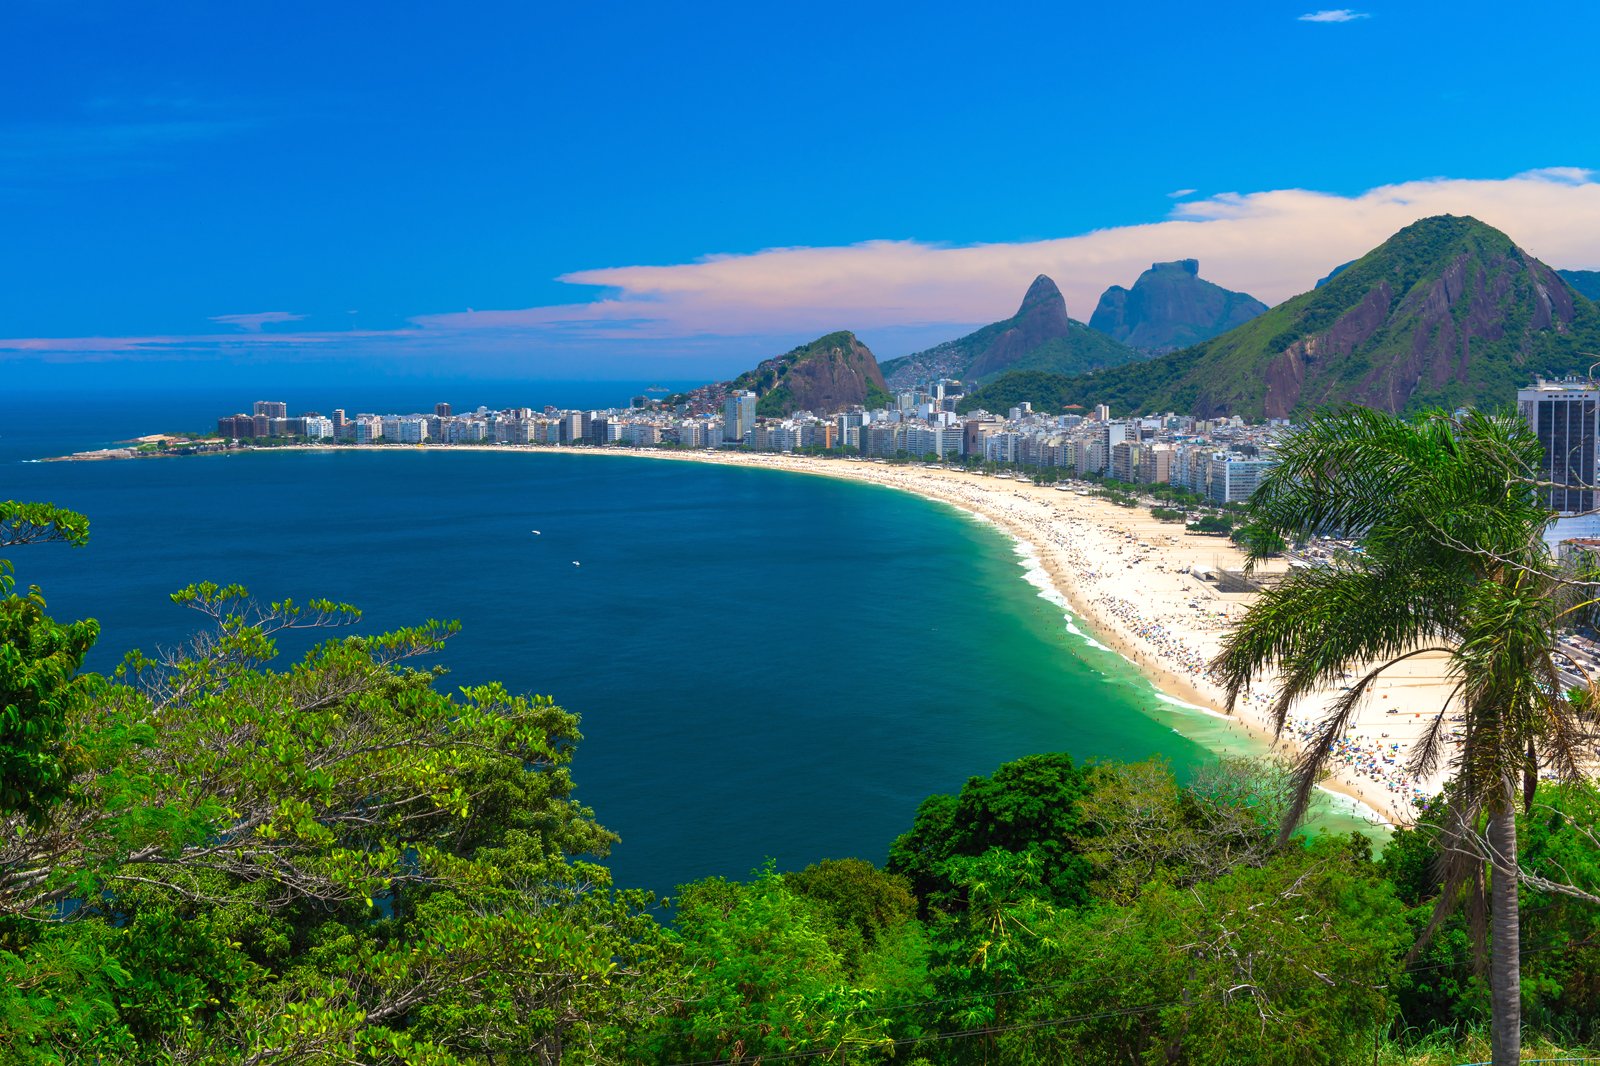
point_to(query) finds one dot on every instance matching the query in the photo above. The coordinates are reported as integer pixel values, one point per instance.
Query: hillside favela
(838, 535)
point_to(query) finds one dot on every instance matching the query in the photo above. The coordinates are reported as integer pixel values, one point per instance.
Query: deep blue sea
(766, 664)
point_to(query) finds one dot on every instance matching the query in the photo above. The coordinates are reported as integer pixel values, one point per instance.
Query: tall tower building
(441, 410)
(739, 416)
(1565, 416)
(272, 409)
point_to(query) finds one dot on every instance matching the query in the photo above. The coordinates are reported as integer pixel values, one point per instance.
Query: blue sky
(325, 189)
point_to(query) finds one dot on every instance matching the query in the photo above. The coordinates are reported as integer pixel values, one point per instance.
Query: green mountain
(1447, 312)
(1584, 281)
(1335, 272)
(1171, 306)
(1049, 393)
(830, 373)
(1040, 336)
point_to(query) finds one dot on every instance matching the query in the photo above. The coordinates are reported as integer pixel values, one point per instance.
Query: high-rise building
(1565, 416)
(739, 416)
(1232, 478)
(236, 426)
(1125, 460)
(272, 409)
(441, 410)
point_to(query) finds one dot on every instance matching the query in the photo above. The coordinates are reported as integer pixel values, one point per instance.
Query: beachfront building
(1125, 461)
(924, 440)
(642, 434)
(318, 428)
(738, 417)
(465, 430)
(975, 431)
(1002, 447)
(366, 429)
(1233, 478)
(788, 437)
(1155, 464)
(1091, 457)
(236, 427)
(411, 429)
(1565, 416)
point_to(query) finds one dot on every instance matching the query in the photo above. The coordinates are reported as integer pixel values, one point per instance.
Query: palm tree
(1451, 559)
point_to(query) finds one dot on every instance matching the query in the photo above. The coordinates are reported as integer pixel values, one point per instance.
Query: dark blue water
(766, 664)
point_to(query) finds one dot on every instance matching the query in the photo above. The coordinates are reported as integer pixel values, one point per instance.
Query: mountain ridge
(1040, 336)
(1446, 312)
(833, 372)
(1171, 306)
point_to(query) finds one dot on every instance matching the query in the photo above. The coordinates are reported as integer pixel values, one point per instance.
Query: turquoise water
(766, 664)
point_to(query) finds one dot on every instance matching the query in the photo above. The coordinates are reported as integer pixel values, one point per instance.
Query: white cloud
(252, 323)
(1343, 14)
(1270, 244)
(902, 294)
(1178, 194)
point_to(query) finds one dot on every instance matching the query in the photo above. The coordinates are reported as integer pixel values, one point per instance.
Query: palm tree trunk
(1505, 957)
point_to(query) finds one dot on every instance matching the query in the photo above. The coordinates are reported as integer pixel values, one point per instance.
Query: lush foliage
(242, 856)
(1452, 563)
(39, 660)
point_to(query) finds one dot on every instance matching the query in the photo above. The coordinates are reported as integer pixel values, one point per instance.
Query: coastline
(1061, 531)
(1129, 579)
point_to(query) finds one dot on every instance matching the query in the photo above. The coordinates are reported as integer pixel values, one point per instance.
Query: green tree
(331, 862)
(1450, 526)
(984, 957)
(1027, 805)
(864, 904)
(763, 979)
(1279, 965)
(39, 663)
(1142, 826)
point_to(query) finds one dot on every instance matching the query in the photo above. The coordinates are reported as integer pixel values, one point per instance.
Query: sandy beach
(1131, 578)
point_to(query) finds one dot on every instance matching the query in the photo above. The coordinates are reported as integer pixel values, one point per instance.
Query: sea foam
(1034, 573)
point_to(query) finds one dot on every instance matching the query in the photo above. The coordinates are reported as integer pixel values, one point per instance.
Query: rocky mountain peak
(1171, 306)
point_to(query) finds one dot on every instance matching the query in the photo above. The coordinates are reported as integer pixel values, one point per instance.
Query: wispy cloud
(1271, 244)
(1178, 194)
(1341, 14)
(252, 323)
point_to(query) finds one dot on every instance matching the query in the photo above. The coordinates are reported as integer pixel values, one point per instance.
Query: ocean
(766, 664)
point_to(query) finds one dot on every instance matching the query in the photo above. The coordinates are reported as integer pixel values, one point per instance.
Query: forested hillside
(1447, 312)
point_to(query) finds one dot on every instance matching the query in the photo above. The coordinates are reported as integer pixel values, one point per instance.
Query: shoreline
(1166, 678)
(1095, 555)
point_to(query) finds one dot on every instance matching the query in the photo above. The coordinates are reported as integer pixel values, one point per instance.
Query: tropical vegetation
(1452, 562)
(290, 842)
